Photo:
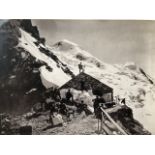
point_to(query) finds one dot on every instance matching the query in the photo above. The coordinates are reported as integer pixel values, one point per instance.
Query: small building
(85, 82)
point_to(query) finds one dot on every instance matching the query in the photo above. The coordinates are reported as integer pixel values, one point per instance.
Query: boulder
(57, 119)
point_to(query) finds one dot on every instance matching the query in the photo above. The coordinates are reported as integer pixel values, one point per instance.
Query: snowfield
(55, 78)
(126, 80)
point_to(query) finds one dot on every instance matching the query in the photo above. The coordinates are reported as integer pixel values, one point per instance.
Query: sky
(112, 41)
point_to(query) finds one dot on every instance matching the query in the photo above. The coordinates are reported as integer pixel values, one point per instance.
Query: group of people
(63, 106)
(57, 110)
(58, 107)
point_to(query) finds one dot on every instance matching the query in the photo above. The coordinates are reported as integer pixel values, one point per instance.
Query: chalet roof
(88, 81)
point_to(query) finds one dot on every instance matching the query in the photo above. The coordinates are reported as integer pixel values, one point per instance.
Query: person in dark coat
(96, 105)
(81, 67)
(69, 95)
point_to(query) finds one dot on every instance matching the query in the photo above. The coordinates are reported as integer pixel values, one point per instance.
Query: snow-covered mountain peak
(72, 53)
(65, 46)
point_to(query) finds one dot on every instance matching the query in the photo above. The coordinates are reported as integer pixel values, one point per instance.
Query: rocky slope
(22, 60)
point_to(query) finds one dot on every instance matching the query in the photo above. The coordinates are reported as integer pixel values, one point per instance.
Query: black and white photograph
(77, 77)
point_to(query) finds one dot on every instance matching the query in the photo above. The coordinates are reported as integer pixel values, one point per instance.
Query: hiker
(97, 106)
(81, 67)
(69, 95)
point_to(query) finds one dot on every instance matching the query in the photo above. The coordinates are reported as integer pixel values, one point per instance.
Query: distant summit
(65, 45)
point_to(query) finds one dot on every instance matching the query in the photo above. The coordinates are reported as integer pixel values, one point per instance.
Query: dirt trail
(82, 124)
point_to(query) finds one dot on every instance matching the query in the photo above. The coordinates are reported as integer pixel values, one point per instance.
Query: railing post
(98, 125)
(112, 121)
(101, 122)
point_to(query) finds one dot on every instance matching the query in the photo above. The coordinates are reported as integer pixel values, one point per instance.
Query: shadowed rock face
(17, 67)
(27, 26)
(127, 122)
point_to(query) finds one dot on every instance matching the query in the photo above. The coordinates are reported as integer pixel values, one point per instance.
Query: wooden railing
(106, 129)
